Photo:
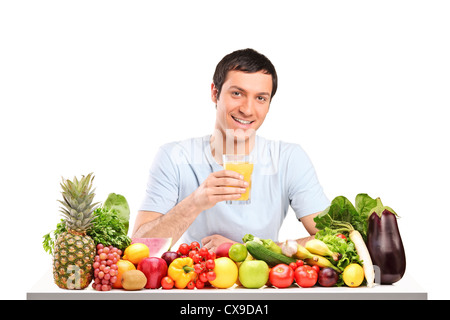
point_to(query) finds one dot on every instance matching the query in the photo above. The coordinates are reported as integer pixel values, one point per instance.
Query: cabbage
(120, 204)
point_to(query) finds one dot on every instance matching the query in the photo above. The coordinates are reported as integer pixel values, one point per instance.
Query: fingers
(229, 178)
(206, 242)
(227, 190)
(228, 173)
(221, 186)
(231, 182)
(212, 242)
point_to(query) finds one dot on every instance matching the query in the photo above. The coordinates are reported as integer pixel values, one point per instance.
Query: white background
(98, 86)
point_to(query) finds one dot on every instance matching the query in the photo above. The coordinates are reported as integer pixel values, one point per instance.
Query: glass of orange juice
(242, 164)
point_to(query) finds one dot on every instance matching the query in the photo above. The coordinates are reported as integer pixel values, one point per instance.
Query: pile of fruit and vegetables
(90, 246)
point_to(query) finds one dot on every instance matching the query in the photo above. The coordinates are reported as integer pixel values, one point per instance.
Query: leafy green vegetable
(106, 228)
(364, 204)
(49, 241)
(335, 244)
(342, 216)
(119, 203)
(345, 248)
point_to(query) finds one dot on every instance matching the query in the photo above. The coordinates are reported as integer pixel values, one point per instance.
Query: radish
(361, 249)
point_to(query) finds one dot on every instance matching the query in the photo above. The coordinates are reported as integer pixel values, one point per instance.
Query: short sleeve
(306, 195)
(161, 193)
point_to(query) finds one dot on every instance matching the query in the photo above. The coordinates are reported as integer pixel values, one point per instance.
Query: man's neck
(229, 144)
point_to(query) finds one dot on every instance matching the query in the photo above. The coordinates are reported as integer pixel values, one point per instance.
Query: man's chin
(240, 135)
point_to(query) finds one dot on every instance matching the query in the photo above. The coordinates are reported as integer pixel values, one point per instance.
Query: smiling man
(188, 187)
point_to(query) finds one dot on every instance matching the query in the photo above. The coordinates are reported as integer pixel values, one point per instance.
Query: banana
(319, 247)
(322, 262)
(303, 253)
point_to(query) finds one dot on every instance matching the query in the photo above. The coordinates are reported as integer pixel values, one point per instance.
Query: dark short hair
(246, 60)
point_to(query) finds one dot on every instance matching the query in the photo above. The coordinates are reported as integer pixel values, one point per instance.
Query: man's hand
(214, 241)
(219, 186)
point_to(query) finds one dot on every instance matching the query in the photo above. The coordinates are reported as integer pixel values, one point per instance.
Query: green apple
(253, 274)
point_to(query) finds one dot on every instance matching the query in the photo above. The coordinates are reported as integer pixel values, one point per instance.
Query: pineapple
(74, 250)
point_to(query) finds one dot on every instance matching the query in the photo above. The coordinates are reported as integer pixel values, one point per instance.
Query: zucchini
(259, 252)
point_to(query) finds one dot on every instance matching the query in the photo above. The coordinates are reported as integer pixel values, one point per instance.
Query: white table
(406, 289)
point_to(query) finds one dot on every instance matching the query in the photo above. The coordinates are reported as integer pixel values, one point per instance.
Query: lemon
(226, 273)
(136, 252)
(353, 275)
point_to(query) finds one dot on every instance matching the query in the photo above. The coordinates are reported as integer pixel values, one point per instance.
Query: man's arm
(173, 224)
(310, 226)
(176, 221)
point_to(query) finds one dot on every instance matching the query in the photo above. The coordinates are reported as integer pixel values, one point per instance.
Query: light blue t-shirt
(283, 176)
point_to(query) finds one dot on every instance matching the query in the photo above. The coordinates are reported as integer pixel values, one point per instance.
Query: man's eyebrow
(238, 88)
(243, 90)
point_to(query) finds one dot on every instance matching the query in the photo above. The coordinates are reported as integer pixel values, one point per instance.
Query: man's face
(243, 102)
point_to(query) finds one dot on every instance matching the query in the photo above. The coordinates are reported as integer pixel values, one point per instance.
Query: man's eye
(236, 93)
(262, 99)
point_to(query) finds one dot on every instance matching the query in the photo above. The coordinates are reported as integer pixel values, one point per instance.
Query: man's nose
(247, 107)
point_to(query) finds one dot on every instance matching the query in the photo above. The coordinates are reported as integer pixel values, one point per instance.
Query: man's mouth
(241, 120)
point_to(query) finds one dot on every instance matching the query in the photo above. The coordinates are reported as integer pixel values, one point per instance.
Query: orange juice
(245, 169)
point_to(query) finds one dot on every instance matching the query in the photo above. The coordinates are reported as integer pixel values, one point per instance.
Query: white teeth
(242, 121)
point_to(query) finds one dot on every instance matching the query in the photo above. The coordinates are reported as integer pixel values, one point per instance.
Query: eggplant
(385, 244)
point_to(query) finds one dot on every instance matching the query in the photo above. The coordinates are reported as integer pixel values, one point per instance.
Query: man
(188, 186)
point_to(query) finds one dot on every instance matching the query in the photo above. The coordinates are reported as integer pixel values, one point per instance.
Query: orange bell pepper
(181, 270)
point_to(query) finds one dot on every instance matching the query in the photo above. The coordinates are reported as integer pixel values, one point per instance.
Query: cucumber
(259, 252)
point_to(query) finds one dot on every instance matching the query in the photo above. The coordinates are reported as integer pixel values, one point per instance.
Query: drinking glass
(243, 165)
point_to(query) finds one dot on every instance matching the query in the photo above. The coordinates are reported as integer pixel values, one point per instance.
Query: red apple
(222, 250)
(154, 269)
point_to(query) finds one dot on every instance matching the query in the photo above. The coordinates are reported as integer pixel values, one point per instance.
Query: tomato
(167, 283)
(184, 249)
(305, 276)
(210, 264)
(293, 266)
(195, 245)
(195, 257)
(192, 253)
(199, 284)
(191, 285)
(210, 275)
(340, 235)
(211, 256)
(281, 276)
(203, 252)
(202, 277)
(316, 268)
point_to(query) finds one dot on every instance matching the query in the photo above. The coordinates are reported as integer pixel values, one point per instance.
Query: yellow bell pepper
(181, 271)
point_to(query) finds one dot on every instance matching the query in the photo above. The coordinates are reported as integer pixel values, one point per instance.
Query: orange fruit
(122, 266)
(136, 252)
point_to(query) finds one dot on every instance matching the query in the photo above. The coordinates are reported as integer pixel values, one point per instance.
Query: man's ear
(214, 93)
